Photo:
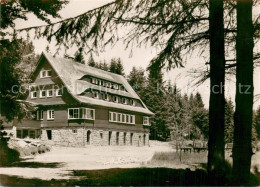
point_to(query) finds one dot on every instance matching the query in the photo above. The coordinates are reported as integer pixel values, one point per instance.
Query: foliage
(229, 121)
(79, 56)
(91, 61)
(257, 123)
(11, 10)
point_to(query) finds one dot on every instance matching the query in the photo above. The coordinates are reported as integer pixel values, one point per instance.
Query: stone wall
(80, 137)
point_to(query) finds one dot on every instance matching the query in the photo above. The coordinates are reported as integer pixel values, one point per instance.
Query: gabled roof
(70, 73)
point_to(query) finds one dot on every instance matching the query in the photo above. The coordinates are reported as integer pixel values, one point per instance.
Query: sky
(140, 57)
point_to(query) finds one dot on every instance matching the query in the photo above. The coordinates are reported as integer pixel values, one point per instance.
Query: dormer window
(95, 95)
(124, 101)
(42, 93)
(115, 99)
(108, 84)
(93, 81)
(33, 94)
(105, 96)
(49, 93)
(58, 92)
(46, 73)
(132, 102)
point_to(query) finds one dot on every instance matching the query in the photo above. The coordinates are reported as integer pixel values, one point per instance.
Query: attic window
(93, 81)
(124, 100)
(42, 93)
(115, 99)
(34, 94)
(49, 93)
(95, 95)
(105, 96)
(132, 102)
(46, 73)
(58, 92)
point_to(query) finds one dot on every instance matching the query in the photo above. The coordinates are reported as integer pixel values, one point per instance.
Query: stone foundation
(80, 137)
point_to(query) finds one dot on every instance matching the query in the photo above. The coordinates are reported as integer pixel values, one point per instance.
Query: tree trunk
(217, 82)
(242, 150)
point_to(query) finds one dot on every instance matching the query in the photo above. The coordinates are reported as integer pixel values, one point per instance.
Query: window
(132, 102)
(121, 118)
(95, 95)
(93, 81)
(101, 135)
(108, 84)
(58, 92)
(101, 83)
(49, 93)
(115, 99)
(18, 134)
(50, 114)
(34, 94)
(124, 100)
(42, 93)
(146, 120)
(46, 73)
(39, 115)
(74, 131)
(73, 113)
(97, 81)
(116, 86)
(105, 96)
(81, 113)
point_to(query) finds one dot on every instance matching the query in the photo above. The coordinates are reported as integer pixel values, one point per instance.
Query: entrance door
(109, 137)
(88, 136)
(131, 138)
(117, 138)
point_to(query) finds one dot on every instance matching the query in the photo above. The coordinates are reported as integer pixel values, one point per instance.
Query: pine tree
(137, 80)
(229, 121)
(113, 65)
(105, 66)
(79, 56)
(119, 67)
(91, 61)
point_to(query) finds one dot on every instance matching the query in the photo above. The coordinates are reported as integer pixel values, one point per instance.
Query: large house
(79, 105)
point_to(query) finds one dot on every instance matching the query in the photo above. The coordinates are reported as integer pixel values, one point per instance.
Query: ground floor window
(18, 133)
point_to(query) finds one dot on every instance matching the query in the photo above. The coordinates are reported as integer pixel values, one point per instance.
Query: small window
(74, 131)
(119, 117)
(110, 116)
(115, 99)
(42, 93)
(146, 120)
(123, 118)
(93, 81)
(49, 93)
(97, 81)
(59, 92)
(132, 102)
(108, 85)
(114, 117)
(127, 118)
(34, 94)
(46, 73)
(105, 96)
(50, 114)
(124, 100)
(95, 95)
(116, 86)
(39, 115)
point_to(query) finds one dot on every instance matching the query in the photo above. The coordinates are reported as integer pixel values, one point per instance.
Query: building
(79, 105)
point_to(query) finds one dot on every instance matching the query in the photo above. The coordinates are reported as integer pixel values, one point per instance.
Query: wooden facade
(72, 116)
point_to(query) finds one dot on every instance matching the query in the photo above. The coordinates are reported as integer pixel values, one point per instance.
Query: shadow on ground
(126, 177)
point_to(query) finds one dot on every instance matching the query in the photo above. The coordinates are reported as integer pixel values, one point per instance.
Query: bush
(7, 155)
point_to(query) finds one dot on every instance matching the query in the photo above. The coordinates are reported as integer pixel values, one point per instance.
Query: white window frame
(48, 94)
(39, 115)
(97, 96)
(41, 93)
(121, 118)
(57, 92)
(132, 102)
(146, 120)
(108, 84)
(116, 86)
(32, 96)
(124, 100)
(116, 99)
(93, 80)
(84, 113)
(46, 72)
(50, 114)
(105, 95)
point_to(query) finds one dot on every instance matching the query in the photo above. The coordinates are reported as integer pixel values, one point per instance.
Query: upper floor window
(105, 96)
(132, 102)
(81, 113)
(115, 99)
(121, 118)
(95, 95)
(50, 93)
(146, 120)
(124, 100)
(39, 115)
(45, 73)
(42, 93)
(34, 94)
(50, 114)
(58, 92)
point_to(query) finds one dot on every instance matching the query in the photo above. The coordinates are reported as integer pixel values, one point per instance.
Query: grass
(177, 158)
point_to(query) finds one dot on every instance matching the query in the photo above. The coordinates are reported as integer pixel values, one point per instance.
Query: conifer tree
(229, 121)
(91, 61)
